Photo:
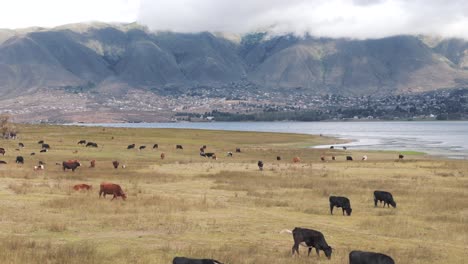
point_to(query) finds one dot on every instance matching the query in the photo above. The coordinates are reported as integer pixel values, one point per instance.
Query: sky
(326, 18)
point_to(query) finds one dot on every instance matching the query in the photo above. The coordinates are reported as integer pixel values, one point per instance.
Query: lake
(444, 138)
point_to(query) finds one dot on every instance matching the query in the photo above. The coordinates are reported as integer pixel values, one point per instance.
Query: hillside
(113, 60)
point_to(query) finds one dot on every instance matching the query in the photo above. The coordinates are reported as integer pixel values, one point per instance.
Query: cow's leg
(317, 250)
(331, 209)
(375, 202)
(295, 248)
(342, 209)
(310, 249)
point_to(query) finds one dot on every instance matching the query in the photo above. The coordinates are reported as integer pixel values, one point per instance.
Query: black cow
(155, 146)
(349, 158)
(45, 146)
(183, 260)
(278, 158)
(385, 197)
(311, 239)
(19, 159)
(21, 145)
(342, 202)
(179, 147)
(131, 146)
(400, 156)
(92, 144)
(238, 150)
(43, 150)
(345, 148)
(209, 154)
(260, 165)
(363, 257)
(142, 147)
(81, 142)
(332, 147)
(33, 153)
(70, 165)
(40, 142)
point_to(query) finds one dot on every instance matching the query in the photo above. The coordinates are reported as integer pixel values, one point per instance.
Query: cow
(349, 158)
(92, 164)
(400, 157)
(155, 146)
(183, 260)
(332, 147)
(141, 147)
(322, 158)
(342, 202)
(92, 144)
(41, 162)
(238, 150)
(179, 147)
(33, 153)
(81, 142)
(163, 155)
(296, 159)
(70, 165)
(364, 157)
(260, 165)
(21, 145)
(40, 142)
(131, 146)
(3, 162)
(43, 150)
(82, 186)
(311, 239)
(209, 154)
(333, 158)
(19, 159)
(278, 158)
(214, 157)
(45, 146)
(229, 154)
(2, 151)
(385, 197)
(345, 148)
(115, 164)
(39, 167)
(363, 257)
(111, 188)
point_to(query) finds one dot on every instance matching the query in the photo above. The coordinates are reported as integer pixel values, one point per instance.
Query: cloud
(327, 18)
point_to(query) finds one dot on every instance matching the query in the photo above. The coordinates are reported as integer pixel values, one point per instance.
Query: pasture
(226, 209)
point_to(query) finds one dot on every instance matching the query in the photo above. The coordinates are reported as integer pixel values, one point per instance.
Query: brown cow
(82, 186)
(322, 158)
(111, 188)
(71, 165)
(163, 155)
(92, 164)
(2, 151)
(116, 164)
(296, 159)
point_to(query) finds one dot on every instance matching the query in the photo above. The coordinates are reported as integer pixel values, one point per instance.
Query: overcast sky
(332, 18)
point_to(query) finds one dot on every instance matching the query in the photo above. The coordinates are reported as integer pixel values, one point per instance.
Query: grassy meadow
(226, 209)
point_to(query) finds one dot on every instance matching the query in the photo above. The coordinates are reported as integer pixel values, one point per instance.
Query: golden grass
(226, 209)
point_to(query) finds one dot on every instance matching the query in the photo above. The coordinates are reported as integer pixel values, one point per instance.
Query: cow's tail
(285, 231)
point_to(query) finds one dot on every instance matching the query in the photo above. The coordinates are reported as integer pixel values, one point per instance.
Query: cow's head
(328, 251)
(393, 203)
(348, 211)
(124, 196)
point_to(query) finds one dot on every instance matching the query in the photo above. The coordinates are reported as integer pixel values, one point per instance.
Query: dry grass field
(226, 209)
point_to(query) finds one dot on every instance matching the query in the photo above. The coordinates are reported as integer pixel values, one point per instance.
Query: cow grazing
(92, 164)
(115, 164)
(260, 165)
(40, 142)
(385, 197)
(92, 144)
(209, 154)
(296, 160)
(43, 151)
(131, 146)
(183, 260)
(21, 145)
(45, 146)
(141, 147)
(278, 158)
(238, 150)
(19, 159)
(33, 153)
(349, 158)
(82, 186)
(39, 167)
(311, 239)
(229, 154)
(363, 257)
(342, 202)
(2, 151)
(70, 165)
(400, 157)
(163, 155)
(111, 188)
(155, 146)
(179, 147)
(81, 142)
(3, 162)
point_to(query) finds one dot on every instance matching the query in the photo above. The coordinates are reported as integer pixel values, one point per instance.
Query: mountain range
(118, 57)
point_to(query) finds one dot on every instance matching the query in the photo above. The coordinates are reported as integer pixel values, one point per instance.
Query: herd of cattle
(305, 237)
